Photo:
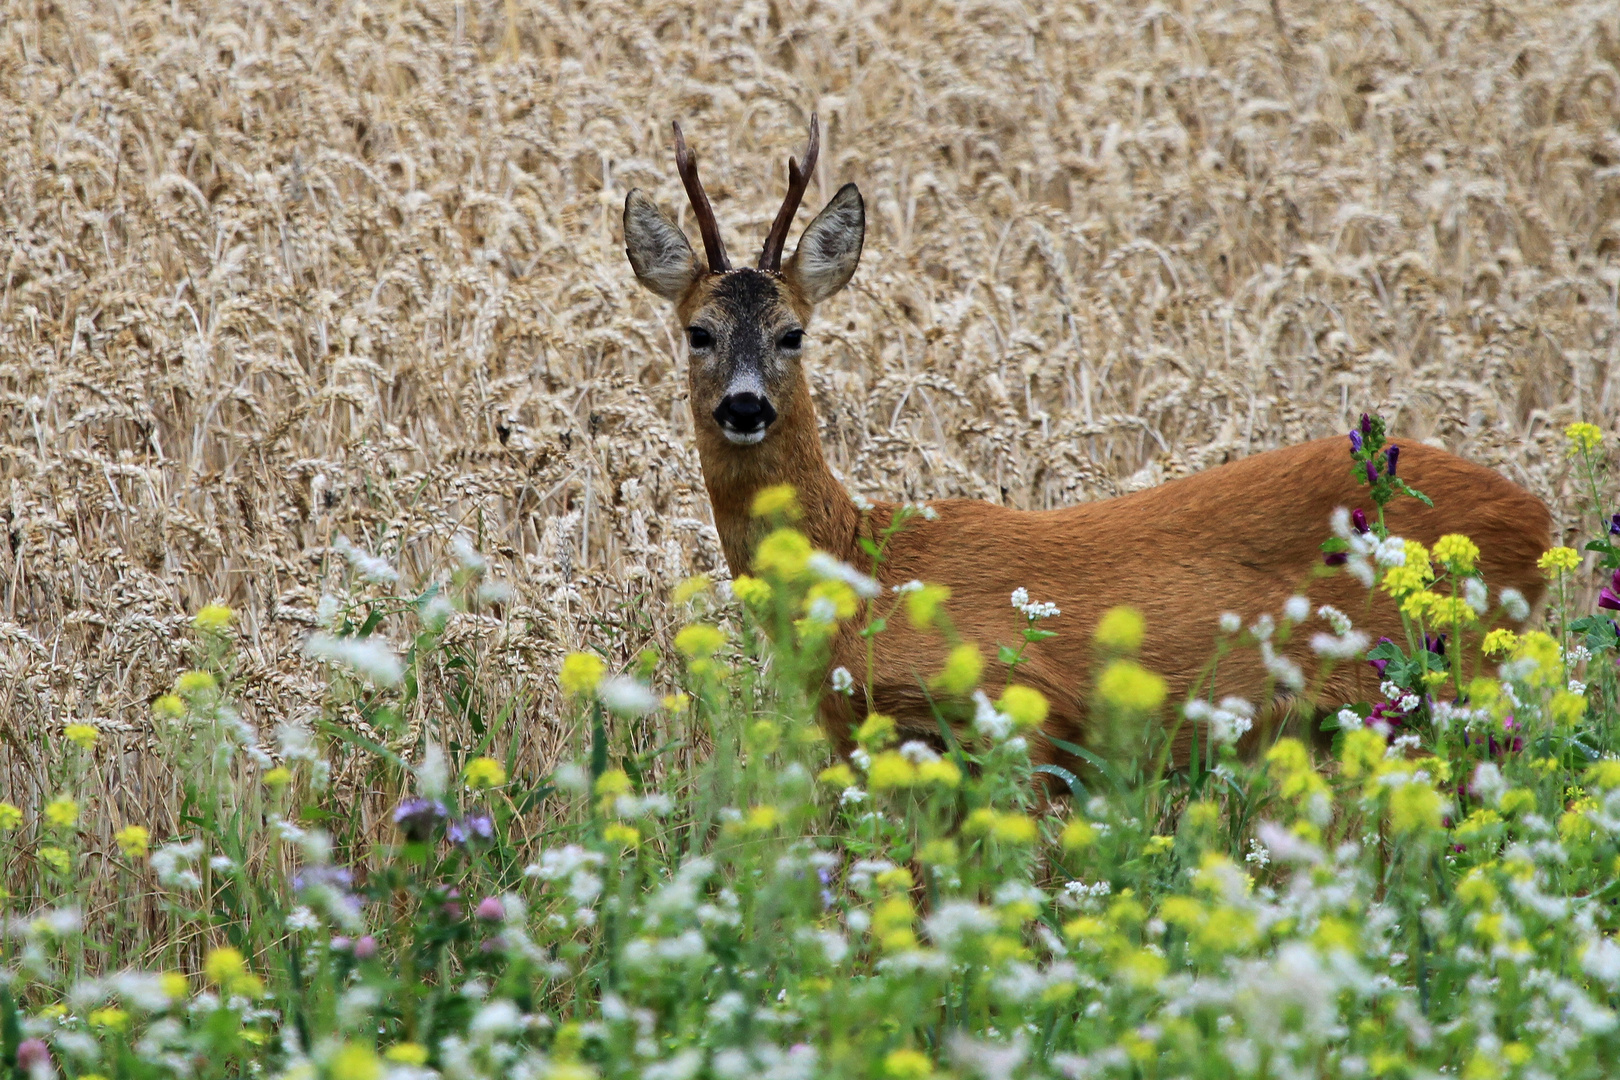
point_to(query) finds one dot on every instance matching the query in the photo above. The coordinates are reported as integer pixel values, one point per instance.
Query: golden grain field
(273, 275)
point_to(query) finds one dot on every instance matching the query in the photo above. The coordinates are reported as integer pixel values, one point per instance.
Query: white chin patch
(741, 438)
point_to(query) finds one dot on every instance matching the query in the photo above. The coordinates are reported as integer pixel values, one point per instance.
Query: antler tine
(798, 179)
(686, 165)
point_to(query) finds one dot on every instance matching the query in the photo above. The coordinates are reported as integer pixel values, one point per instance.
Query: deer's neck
(790, 454)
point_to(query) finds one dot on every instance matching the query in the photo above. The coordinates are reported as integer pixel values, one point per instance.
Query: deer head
(745, 327)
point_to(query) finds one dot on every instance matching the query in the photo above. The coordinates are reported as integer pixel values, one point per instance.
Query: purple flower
(473, 828)
(32, 1054)
(1372, 473)
(1380, 665)
(365, 948)
(1355, 442)
(451, 908)
(342, 943)
(1366, 425)
(1358, 519)
(336, 878)
(490, 910)
(1614, 525)
(1609, 597)
(1335, 558)
(417, 817)
(1435, 644)
(1393, 454)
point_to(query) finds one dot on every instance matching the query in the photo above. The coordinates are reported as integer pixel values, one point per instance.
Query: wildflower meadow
(376, 702)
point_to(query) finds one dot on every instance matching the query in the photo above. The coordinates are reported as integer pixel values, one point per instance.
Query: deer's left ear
(659, 252)
(830, 248)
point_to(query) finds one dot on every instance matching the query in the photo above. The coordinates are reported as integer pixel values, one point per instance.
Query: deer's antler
(686, 165)
(798, 180)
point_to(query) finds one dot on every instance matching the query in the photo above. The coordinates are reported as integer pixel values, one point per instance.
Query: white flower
(842, 681)
(1281, 668)
(626, 696)
(1033, 609)
(571, 776)
(1601, 960)
(367, 657)
(1231, 622)
(371, 568)
(987, 720)
(1475, 595)
(326, 610)
(862, 503)
(859, 758)
(823, 610)
(302, 918)
(467, 555)
(918, 753)
(1347, 647)
(828, 568)
(929, 513)
(851, 796)
(1391, 551)
(1263, 628)
(1231, 720)
(1297, 609)
(1350, 720)
(959, 920)
(1514, 603)
(1020, 598)
(1335, 618)
(1577, 687)
(1258, 854)
(911, 586)
(221, 864)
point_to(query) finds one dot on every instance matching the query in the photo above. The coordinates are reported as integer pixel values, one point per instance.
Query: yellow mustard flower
(354, 1061)
(923, 605)
(1362, 751)
(877, 730)
(581, 673)
(835, 593)
(963, 667)
(134, 841)
(677, 702)
(699, 640)
(111, 1017)
(938, 853)
(1025, 706)
(1559, 560)
(778, 500)
(942, 771)
(613, 782)
(1127, 685)
(407, 1053)
(169, 707)
(55, 858)
(1604, 774)
(690, 588)
(1009, 827)
(10, 817)
(1500, 642)
(278, 777)
(1543, 649)
(484, 772)
(751, 590)
(213, 619)
(1401, 581)
(83, 736)
(839, 776)
(621, 835)
(1457, 552)
(193, 683)
(907, 1065)
(1414, 806)
(784, 553)
(1567, 707)
(175, 985)
(224, 965)
(1583, 438)
(1516, 801)
(1121, 629)
(889, 770)
(62, 812)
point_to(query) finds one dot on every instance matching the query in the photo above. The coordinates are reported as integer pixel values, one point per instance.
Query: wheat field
(278, 276)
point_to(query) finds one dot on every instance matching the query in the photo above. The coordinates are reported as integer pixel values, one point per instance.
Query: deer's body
(1242, 537)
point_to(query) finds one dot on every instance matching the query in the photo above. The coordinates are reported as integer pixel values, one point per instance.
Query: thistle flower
(489, 909)
(470, 830)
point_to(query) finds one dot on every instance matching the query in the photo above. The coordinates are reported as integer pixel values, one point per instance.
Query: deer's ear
(658, 250)
(830, 248)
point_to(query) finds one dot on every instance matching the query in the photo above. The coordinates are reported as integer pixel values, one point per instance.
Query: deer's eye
(792, 339)
(698, 337)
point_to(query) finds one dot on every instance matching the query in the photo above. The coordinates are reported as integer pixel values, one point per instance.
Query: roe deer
(1241, 537)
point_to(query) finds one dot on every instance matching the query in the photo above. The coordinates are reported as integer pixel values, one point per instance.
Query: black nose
(744, 413)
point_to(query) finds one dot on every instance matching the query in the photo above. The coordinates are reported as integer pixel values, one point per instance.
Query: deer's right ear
(658, 250)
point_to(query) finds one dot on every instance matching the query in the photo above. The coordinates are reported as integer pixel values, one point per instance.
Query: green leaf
(1033, 635)
(1007, 654)
(1102, 765)
(1076, 788)
(875, 627)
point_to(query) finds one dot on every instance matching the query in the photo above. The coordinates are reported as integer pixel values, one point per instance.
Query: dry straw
(274, 275)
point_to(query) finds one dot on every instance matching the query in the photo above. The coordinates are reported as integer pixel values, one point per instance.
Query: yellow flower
(877, 730)
(169, 707)
(922, 605)
(224, 967)
(278, 777)
(580, 674)
(676, 702)
(943, 771)
(82, 735)
(1402, 581)
(1361, 753)
(1604, 774)
(839, 776)
(1159, 844)
(907, 1065)
(484, 772)
(175, 986)
(1543, 649)
(837, 593)
(354, 1061)
(1559, 560)
(751, 590)
(778, 500)
(1417, 557)
(784, 553)
(10, 817)
(1414, 806)
(1567, 708)
(55, 858)
(619, 834)
(938, 853)
(1127, 685)
(133, 841)
(1516, 801)
(1009, 827)
(1141, 968)
(891, 924)
(762, 818)
(114, 1018)
(62, 811)
(1026, 706)
(407, 1053)
(1457, 552)
(213, 619)
(613, 782)
(1476, 890)
(1121, 629)
(699, 640)
(890, 770)
(963, 666)
(193, 683)
(1583, 438)
(690, 587)
(1500, 641)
